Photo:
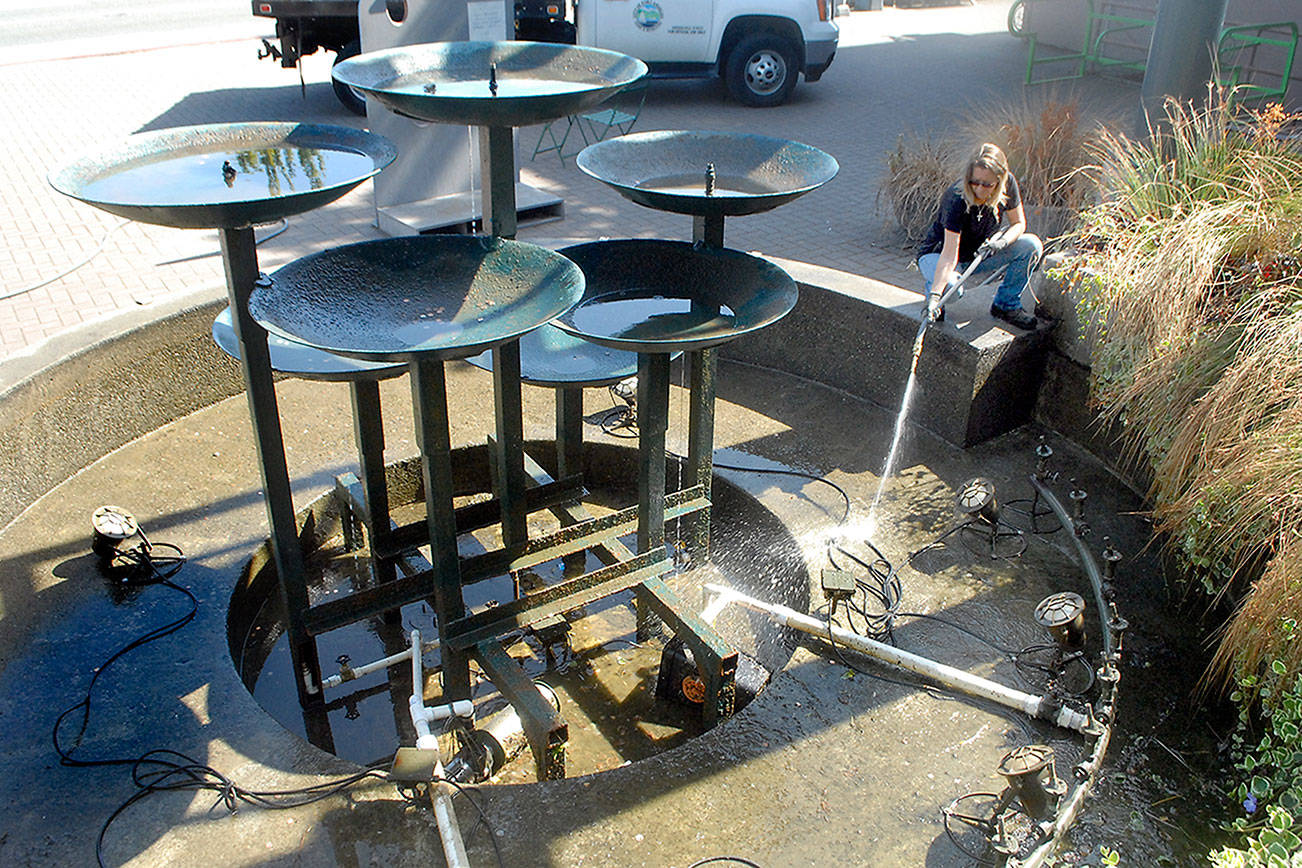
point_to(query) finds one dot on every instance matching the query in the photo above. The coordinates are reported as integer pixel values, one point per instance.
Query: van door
(664, 31)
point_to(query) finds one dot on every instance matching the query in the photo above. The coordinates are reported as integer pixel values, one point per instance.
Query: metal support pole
(368, 429)
(569, 431)
(569, 455)
(497, 174)
(508, 450)
(1185, 35)
(430, 404)
(708, 230)
(652, 423)
(703, 366)
(240, 258)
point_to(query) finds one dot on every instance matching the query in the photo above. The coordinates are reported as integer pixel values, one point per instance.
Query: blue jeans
(1019, 258)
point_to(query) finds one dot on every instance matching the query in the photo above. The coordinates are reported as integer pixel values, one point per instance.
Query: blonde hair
(992, 159)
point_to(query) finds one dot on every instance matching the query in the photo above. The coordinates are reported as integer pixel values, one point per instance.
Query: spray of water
(893, 455)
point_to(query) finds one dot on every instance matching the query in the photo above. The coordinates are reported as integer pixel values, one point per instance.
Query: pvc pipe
(445, 817)
(354, 672)
(965, 682)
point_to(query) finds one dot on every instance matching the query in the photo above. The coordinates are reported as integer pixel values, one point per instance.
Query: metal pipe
(1087, 563)
(965, 682)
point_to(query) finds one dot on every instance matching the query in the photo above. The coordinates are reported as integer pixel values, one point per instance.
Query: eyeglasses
(985, 185)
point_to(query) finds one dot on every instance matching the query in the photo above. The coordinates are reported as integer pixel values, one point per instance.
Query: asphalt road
(53, 28)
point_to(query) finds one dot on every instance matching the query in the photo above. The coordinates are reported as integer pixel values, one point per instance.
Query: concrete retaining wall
(81, 396)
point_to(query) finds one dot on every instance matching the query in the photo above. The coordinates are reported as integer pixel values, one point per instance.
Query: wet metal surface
(399, 298)
(667, 170)
(662, 296)
(291, 357)
(449, 82)
(224, 176)
(552, 357)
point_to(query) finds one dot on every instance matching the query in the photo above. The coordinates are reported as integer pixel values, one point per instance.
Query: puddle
(605, 680)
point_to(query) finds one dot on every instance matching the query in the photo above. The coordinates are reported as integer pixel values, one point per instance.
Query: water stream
(905, 403)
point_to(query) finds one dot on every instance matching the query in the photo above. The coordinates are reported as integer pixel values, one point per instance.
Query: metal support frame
(240, 260)
(497, 174)
(430, 404)
(715, 659)
(545, 729)
(508, 452)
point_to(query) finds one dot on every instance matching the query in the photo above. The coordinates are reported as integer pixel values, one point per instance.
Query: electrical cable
(140, 568)
(62, 274)
(163, 769)
(103, 241)
(465, 790)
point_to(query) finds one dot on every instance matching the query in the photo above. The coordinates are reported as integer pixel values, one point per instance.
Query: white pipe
(445, 817)
(376, 665)
(958, 679)
(454, 849)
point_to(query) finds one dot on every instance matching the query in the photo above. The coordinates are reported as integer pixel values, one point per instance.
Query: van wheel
(761, 70)
(352, 100)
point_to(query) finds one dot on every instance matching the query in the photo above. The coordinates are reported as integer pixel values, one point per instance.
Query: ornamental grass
(1190, 267)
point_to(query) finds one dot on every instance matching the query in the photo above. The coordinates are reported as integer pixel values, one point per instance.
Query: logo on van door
(648, 14)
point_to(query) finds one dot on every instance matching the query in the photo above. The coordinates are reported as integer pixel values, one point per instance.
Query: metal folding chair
(616, 116)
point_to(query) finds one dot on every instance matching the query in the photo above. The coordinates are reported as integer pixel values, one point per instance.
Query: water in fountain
(893, 455)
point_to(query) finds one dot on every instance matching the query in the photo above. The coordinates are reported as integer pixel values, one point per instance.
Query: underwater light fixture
(1063, 616)
(1030, 773)
(110, 527)
(976, 498)
(626, 391)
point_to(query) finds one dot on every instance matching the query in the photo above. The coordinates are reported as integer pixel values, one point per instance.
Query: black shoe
(1014, 317)
(940, 314)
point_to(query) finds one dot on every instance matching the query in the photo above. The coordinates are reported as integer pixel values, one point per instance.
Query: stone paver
(897, 71)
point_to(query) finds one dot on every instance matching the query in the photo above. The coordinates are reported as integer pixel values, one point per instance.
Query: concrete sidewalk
(897, 71)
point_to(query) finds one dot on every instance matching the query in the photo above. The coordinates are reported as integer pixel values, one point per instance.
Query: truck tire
(352, 100)
(761, 70)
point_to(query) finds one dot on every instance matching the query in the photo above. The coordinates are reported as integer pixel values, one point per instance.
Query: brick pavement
(896, 71)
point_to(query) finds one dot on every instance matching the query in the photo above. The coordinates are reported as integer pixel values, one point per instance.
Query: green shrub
(1269, 765)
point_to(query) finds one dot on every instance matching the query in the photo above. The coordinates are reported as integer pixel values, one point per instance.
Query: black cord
(483, 818)
(712, 859)
(813, 477)
(138, 567)
(165, 770)
(1012, 653)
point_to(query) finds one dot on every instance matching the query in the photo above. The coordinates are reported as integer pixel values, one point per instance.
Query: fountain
(488, 294)
(230, 177)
